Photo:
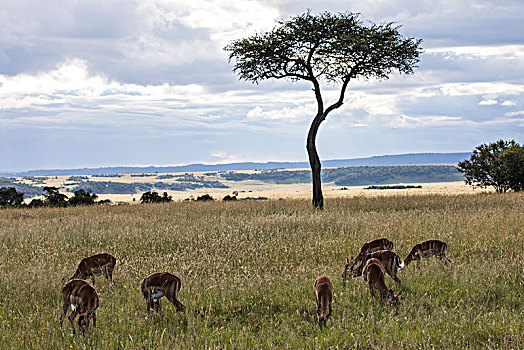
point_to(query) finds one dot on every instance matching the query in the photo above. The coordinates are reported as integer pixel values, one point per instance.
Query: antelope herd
(375, 260)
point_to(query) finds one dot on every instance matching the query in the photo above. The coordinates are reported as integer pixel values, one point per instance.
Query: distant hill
(386, 160)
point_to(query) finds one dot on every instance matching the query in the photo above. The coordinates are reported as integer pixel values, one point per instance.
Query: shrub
(205, 197)
(10, 197)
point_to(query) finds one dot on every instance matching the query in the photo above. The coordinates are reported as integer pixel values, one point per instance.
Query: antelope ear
(399, 293)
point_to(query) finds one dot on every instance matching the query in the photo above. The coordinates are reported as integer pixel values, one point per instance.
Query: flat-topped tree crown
(327, 47)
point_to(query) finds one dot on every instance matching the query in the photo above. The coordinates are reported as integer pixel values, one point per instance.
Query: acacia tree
(53, 198)
(325, 48)
(81, 197)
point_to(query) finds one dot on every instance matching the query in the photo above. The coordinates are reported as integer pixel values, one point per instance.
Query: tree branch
(340, 101)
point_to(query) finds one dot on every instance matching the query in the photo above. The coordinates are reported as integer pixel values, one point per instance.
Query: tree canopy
(499, 164)
(334, 47)
(154, 197)
(53, 198)
(81, 197)
(330, 48)
(10, 197)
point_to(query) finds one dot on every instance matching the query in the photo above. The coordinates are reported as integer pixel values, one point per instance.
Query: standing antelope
(96, 265)
(373, 273)
(160, 284)
(427, 249)
(324, 295)
(369, 247)
(389, 260)
(83, 300)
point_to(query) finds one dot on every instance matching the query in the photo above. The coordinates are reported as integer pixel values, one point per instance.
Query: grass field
(248, 268)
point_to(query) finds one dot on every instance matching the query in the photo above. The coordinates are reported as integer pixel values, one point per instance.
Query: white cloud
(508, 103)
(71, 83)
(514, 114)
(504, 52)
(224, 157)
(286, 113)
(488, 102)
(481, 88)
(405, 121)
(228, 16)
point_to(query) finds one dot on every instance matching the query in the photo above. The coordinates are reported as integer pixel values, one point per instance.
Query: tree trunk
(314, 162)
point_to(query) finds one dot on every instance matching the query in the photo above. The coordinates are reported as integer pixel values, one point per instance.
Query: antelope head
(394, 298)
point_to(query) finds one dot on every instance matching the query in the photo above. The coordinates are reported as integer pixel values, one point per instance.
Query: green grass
(248, 268)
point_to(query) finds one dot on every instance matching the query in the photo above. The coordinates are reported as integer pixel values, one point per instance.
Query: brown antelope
(369, 247)
(83, 300)
(96, 265)
(160, 284)
(427, 249)
(389, 260)
(324, 294)
(374, 274)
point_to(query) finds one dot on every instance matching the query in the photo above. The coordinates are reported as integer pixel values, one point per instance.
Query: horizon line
(14, 172)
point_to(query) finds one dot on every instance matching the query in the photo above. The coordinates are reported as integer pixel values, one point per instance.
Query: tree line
(10, 197)
(355, 176)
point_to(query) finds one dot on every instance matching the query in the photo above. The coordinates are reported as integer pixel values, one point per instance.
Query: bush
(36, 203)
(53, 198)
(82, 197)
(10, 197)
(205, 197)
(154, 197)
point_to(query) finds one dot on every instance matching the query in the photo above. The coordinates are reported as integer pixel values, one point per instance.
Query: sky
(147, 82)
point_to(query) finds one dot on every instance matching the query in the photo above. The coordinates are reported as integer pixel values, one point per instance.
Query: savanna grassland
(248, 268)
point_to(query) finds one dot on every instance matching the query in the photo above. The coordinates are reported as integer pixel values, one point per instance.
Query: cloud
(409, 122)
(514, 114)
(488, 102)
(504, 52)
(224, 157)
(288, 114)
(146, 42)
(150, 78)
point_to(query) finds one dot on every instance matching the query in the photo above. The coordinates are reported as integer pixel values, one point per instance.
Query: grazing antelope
(83, 300)
(324, 295)
(427, 249)
(369, 247)
(389, 260)
(160, 284)
(96, 265)
(373, 273)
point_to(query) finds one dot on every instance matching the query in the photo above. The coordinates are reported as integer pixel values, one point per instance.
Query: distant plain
(275, 184)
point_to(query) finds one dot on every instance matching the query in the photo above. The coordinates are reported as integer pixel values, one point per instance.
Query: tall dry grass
(248, 268)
